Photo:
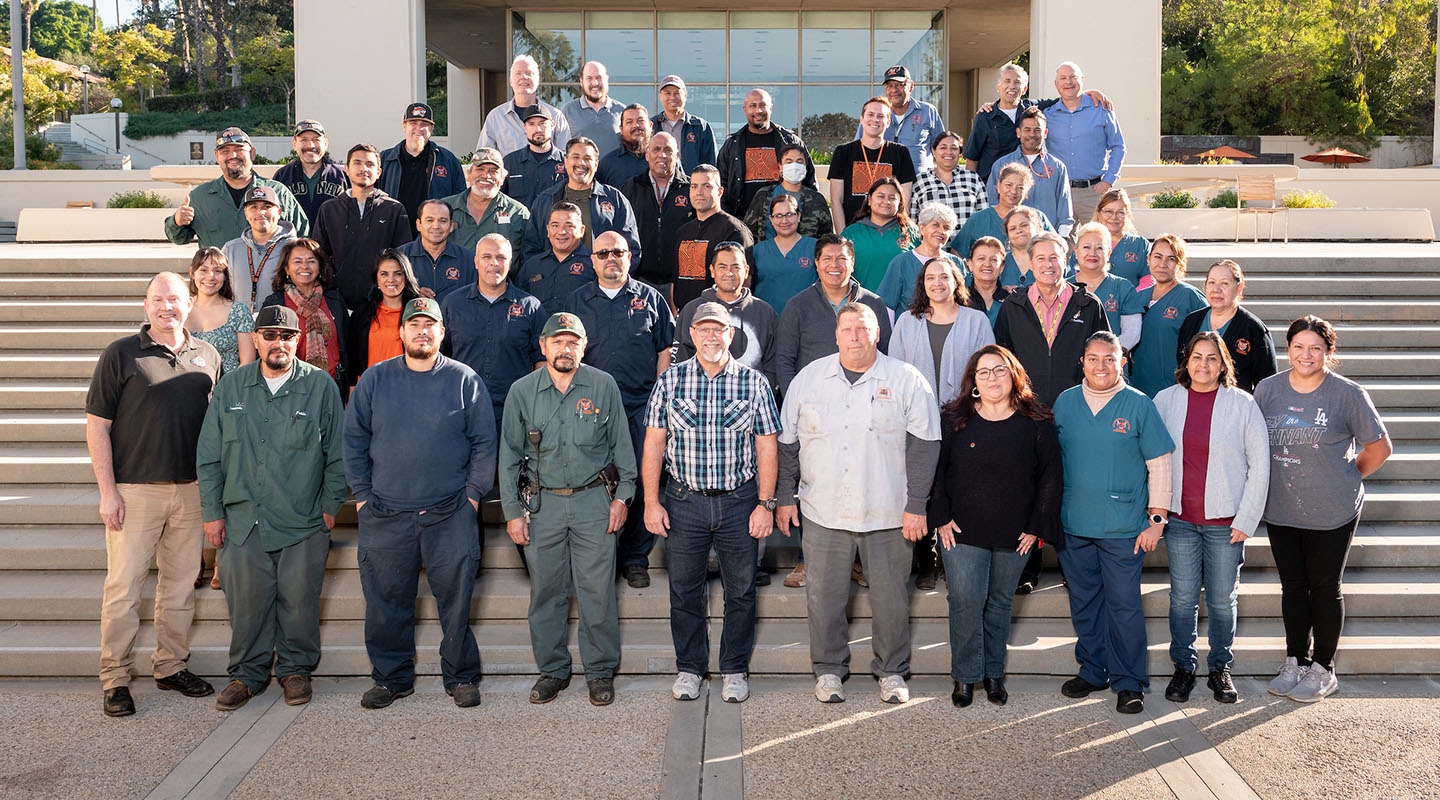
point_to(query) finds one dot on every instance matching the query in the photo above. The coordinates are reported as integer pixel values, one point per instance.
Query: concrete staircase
(61, 304)
(73, 152)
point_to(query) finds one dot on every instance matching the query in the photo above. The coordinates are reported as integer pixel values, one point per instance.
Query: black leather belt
(706, 492)
(566, 492)
(1085, 184)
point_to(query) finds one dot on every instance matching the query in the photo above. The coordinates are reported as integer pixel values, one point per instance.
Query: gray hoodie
(247, 258)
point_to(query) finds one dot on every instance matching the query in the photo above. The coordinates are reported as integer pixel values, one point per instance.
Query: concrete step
(1373, 336)
(59, 312)
(1412, 426)
(1270, 285)
(95, 258)
(1037, 647)
(1401, 503)
(1395, 393)
(1411, 462)
(37, 287)
(1352, 309)
(42, 395)
(1362, 364)
(42, 427)
(1368, 259)
(49, 365)
(52, 338)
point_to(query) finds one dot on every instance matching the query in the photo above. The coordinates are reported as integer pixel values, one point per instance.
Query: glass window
(553, 39)
(688, 46)
(832, 113)
(624, 41)
(763, 47)
(711, 104)
(913, 38)
(830, 44)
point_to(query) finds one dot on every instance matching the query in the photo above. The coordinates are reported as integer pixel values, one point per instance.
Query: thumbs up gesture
(185, 214)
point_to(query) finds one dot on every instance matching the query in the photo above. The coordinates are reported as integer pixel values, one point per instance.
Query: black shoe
(547, 688)
(962, 695)
(118, 702)
(926, 577)
(762, 578)
(187, 683)
(1129, 702)
(1222, 686)
(378, 696)
(995, 691)
(1079, 687)
(467, 695)
(637, 576)
(1025, 587)
(1180, 685)
(602, 691)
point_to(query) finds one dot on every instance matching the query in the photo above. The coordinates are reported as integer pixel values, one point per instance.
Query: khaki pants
(162, 522)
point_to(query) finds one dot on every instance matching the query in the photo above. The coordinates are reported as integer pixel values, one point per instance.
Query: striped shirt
(965, 193)
(712, 422)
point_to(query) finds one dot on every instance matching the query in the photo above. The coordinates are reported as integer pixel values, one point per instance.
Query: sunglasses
(605, 255)
(283, 336)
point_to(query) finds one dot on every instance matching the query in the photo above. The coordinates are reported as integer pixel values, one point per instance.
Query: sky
(107, 10)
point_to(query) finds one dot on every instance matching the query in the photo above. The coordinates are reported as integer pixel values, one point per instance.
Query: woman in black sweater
(996, 494)
(1246, 337)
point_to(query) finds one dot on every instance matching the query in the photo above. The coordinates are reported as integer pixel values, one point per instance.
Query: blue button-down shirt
(530, 173)
(499, 339)
(626, 336)
(454, 269)
(553, 280)
(1087, 139)
(1051, 193)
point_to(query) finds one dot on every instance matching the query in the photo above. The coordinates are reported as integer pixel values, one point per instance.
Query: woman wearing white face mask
(815, 216)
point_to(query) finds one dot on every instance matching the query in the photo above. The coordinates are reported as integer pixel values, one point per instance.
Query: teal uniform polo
(1107, 494)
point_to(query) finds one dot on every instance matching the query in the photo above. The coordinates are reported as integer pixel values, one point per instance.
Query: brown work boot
(796, 578)
(297, 689)
(234, 695)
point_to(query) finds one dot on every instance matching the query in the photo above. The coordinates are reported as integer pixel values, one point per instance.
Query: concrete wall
(1393, 152)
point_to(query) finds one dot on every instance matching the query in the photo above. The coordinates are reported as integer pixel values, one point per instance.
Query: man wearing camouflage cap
(567, 475)
(214, 211)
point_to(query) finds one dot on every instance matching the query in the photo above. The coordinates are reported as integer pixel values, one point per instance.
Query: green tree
(44, 99)
(61, 26)
(133, 58)
(270, 60)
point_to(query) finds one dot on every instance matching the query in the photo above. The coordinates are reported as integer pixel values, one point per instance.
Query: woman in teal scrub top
(1116, 456)
(1167, 301)
(1129, 252)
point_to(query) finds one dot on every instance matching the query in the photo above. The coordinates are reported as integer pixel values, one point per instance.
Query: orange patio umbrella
(1223, 151)
(1335, 156)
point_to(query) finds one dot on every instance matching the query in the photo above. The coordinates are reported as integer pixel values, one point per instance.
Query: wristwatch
(1156, 519)
(771, 504)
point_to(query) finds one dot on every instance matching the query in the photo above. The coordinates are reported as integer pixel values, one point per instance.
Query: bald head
(663, 156)
(610, 257)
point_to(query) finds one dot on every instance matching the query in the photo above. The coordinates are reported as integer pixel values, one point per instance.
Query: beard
(563, 364)
(421, 350)
(279, 359)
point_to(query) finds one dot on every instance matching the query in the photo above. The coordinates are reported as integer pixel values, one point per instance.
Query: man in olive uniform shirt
(563, 426)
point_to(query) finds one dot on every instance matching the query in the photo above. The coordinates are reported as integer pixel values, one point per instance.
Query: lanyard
(255, 273)
(1040, 159)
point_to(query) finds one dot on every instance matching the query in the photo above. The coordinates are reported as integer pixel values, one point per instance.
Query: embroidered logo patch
(452, 274)
(1120, 425)
(1132, 257)
(690, 137)
(915, 119)
(577, 268)
(638, 304)
(681, 200)
(606, 207)
(804, 263)
(517, 310)
(441, 172)
(1171, 312)
(585, 407)
(559, 168)
(1111, 304)
(883, 393)
(1242, 346)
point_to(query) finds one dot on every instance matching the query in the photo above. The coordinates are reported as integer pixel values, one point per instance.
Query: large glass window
(624, 41)
(915, 39)
(764, 47)
(689, 44)
(832, 113)
(829, 44)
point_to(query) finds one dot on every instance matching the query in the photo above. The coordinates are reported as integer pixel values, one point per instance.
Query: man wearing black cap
(417, 168)
(271, 482)
(914, 123)
(213, 211)
(539, 164)
(312, 177)
(254, 255)
(418, 479)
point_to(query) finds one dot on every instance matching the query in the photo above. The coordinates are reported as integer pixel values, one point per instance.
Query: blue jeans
(980, 585)
(696, 523)
(1201, 555)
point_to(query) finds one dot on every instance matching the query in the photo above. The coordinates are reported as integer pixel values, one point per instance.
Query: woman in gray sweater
(1221, 473)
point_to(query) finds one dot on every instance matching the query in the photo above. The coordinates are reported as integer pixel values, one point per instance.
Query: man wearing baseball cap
(694, 135)
(418, 479)
(312, 177)
(914, 123)
(418, 169)
(564, 428)
(254, 255)
(271, 482)
(483, 208)
(539, 164)
(213, 212)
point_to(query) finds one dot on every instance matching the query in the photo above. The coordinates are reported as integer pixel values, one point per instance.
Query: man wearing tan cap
(483, 209)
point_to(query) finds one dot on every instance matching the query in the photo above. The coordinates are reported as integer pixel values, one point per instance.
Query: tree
(133, 58)
(270, 60)
(61, 26)
(43, 97)
(824, 132)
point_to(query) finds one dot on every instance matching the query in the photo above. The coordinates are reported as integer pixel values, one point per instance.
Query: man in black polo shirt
(142, 421)
(695, 239)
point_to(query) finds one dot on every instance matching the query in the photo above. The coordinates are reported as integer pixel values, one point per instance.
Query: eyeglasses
(994, 373)
(606, 255)
(786, 215)
(283, 336)
(708, 332)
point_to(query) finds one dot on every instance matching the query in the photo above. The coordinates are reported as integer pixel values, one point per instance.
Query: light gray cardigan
(910, 342)
(1237, 477)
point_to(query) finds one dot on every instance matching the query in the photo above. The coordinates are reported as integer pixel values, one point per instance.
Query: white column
(463, 100)
(1435, 132)
(1119, 54)
(358, 84)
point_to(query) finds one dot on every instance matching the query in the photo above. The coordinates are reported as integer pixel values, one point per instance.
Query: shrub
(136, 199)
(819, 157)
(1311, 199)
(257, 120)
(1224, 199)
(1174, 198)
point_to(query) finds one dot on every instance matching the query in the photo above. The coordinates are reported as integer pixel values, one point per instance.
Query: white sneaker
(1318, 684)
(894, 690)
(1289, 675)
(736, 688)
(687, 686)
(829, 690)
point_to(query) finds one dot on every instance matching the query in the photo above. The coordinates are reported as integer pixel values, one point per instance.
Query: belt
(566, 492)
(708, 492)
(1085, 184)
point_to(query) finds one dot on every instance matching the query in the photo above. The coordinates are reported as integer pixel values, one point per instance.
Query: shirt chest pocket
(684, 414)
(737, 415)
(230, 424)
(299, 431)
(641, 322)
(886, 416)
(590, 429)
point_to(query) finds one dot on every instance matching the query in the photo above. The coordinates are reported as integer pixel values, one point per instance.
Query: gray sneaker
(1289, 676)
(828, 689)
(736, 688)
(1318, 684)
(687, 686)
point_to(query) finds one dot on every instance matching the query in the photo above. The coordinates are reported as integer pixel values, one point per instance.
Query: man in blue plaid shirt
(713, 424)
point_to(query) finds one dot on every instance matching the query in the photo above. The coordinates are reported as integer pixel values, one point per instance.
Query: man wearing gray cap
(567, 473)
(271, 482)
(418, 169)
(539, 164)
(712, 424)
(483, 209)
(213, 211)
(694, 135)
(312, 177)
(254, 255)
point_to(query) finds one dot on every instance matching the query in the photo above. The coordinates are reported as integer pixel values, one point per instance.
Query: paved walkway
(1378, 738)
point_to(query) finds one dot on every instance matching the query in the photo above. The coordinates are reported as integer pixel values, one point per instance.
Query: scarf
(318, 327)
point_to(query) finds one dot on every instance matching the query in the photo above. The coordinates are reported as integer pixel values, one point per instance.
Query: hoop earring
(975, 392)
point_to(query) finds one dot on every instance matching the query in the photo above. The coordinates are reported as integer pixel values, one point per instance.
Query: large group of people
(622, 332)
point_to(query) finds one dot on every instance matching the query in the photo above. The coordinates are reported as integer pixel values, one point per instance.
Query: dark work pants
(635, 542)
(1310, 564)
(273, 597)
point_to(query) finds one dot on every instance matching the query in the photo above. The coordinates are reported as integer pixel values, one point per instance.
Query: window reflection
(831, 115)
(763, 47)
(912, 38)
(624, 41)
(553, 39)
(830, 44)
(689, 45)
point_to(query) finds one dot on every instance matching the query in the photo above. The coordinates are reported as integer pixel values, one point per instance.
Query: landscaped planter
(1304, 224)
(92, 224)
